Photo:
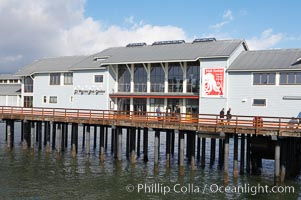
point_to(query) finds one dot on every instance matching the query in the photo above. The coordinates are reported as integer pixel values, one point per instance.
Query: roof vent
(99, 59)
(169, 42)
(204, 40)
(136, 44)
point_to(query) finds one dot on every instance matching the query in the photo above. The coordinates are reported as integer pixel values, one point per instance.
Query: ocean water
(40, 175)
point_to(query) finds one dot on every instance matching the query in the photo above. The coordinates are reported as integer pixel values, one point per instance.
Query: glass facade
(139, 106)
(154, 103)
(124, 79)
(175, 77)
(140, 78)
(157, 77)
(193, 77)
(123, 104)
(192, 106)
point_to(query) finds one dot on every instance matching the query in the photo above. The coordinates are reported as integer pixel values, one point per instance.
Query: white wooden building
(10, 90)
(203, 76)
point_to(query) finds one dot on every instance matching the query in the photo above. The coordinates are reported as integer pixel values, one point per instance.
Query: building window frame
(28, 84)
(68, 78)
(28, 101)
(98, 78)
(259, 102)
(44, 99)
(290, 78)
(263, 78)
(53, 99)
(55, 79)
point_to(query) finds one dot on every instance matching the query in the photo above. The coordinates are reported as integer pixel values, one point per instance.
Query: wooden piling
(127, 146)
(235, 156)
(106, 137)
(47, 135)
(168, 148)
(119, 147)
(74, 130)
(58, 138)
(66, 134)
(181, 149)
(53, 135)
(88, 136)
(220, 152)
(26, 134)
(242, 153)
(9, 134)
(226, 157)
(95, 137)
(132, 144)
(116, 142)
(188, 146)
(192, 151)
(172, 143)
(32, 134)
(212, 151)
(277, 160)
(156, 147)
(138, 141)
(39, 134)
(112, 138)
(198, 153)
(145, 144)
(84, 136)
(203, 157)
(22, 130)
(248, 155)
(101, 143)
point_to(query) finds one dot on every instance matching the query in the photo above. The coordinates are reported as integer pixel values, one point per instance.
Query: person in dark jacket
(229, 116)
(222, 115)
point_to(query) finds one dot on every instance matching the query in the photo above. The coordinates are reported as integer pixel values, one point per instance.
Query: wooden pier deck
(202, 123)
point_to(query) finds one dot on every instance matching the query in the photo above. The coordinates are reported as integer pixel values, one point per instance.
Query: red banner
(213, 81)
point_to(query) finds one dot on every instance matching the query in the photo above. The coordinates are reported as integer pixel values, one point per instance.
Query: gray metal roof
(161, 53)
(58, 64)
(8, 77)
(277, 59)
(10, 89)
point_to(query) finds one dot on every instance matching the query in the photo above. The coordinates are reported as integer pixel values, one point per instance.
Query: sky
(35, 29)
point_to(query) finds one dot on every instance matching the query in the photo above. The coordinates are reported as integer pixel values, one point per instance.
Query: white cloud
(43, 28)
(267, 40)
(228, 15)
(227, 18)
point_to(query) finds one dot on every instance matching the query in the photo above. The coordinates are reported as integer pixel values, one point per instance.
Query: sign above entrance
(213, 82)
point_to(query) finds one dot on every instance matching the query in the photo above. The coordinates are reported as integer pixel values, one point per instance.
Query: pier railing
(264, 125)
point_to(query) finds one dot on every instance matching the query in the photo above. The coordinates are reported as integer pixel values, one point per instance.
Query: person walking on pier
(222, 115)
(158, 111)
(229, 116)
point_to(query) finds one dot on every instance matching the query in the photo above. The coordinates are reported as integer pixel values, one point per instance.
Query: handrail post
(216, 120)
(236, 122)
(90, 117)
(43, 117)
(31, 113)
(279, 123)
(77, 117)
